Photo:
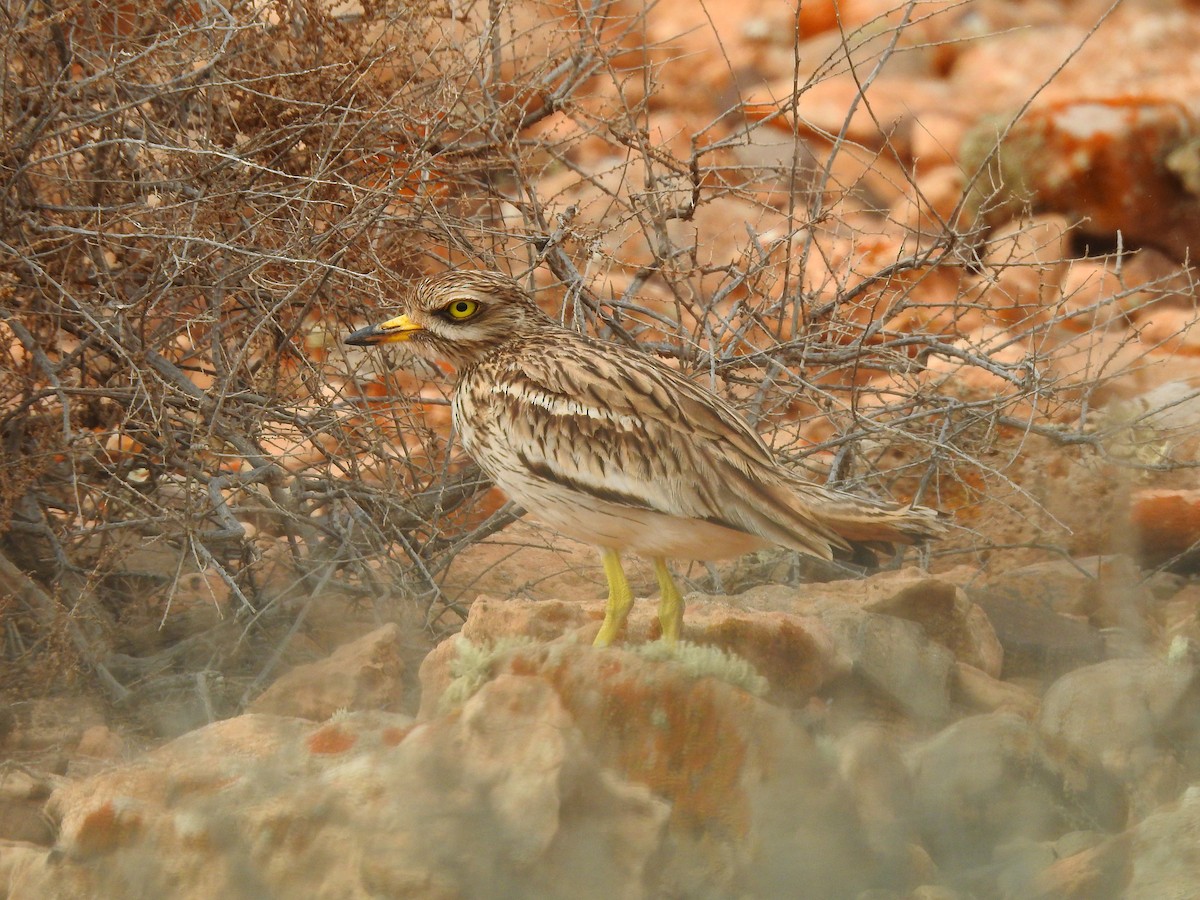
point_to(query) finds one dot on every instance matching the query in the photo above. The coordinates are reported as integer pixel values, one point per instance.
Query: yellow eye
(461, 309)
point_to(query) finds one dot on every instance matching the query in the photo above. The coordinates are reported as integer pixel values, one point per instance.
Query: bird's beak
(400, 328)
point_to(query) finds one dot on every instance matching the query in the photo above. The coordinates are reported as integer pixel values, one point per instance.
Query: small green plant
(472, 667)
(706, 661)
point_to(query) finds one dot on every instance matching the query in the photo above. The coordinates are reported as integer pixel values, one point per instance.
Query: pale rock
(1166, 852)
(22, 796)
(1138, 718)
(795, 653)
(753, 801)
(946, 615)
(870, 763)
(1156, 858)
(976, 690)
(27, 869)
(990, 779)
(1098, 872)
(1038, 642)
(100, 742)
(1105, 591)
(362, 675)
(934, 602)
(501, 798)
(894, 660)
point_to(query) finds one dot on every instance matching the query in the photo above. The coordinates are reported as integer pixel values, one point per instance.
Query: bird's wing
(625, 428)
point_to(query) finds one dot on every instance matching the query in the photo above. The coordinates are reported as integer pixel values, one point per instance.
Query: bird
(611, 446)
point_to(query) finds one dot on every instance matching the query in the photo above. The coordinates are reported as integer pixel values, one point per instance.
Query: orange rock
(1003, 71)
(1105, 163)
(1170, 330)
(722, 758)
(1026, 262)
(120, 447)
(884, 115)
(816, 16)
(936, 135)
(100, 742)
(105, 829)
(1091, 296)
(1089, 873)
(330, 741)
(1166, 524)
(933, 203)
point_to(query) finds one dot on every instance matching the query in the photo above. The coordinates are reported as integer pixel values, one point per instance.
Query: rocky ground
(904, 735)
(1016, 722)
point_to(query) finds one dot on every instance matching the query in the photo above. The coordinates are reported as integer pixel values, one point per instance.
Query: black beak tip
(364, 337)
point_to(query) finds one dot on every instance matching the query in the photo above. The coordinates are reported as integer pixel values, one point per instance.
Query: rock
(51, 723)
(365, 674)
(830, 644)
(989, 780)
(1005, 69)
(980, 692)
(945, 613)
(1138, 718)
(1158, 426)
(1096, 873)
(947, 616)
(894, 661)
(22, 820)
(1159, 857)
(1026, 262)
(1165, 852)
(1098, 588)
(1169, 331)
(1180, 616)
(870, 763)
(796, 654)
(1037, 642)
(1104, 161)
(100, 742)
(98, 748)
(22, 796)
(1106, 591)
(493, 618)
(1167, 528)
(499, 799)
(25, 868)
(753, 801)
(1094, 296)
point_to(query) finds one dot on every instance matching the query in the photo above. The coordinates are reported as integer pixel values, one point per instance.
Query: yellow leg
(620, 599)
(670, 604)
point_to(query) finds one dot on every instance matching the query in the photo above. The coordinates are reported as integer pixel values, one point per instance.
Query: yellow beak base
(400, 328)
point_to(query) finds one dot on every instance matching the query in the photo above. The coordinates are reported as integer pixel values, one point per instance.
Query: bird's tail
(858, 520)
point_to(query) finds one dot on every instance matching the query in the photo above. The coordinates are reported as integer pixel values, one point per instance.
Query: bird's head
(457, 317)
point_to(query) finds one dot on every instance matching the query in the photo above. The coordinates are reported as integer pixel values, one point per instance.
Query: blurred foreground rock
(1138, 718)
(825, 740)
(501, 799)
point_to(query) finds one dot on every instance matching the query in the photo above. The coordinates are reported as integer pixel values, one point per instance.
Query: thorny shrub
(199, 199)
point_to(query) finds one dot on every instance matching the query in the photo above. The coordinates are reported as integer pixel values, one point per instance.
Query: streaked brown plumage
(614, 448)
